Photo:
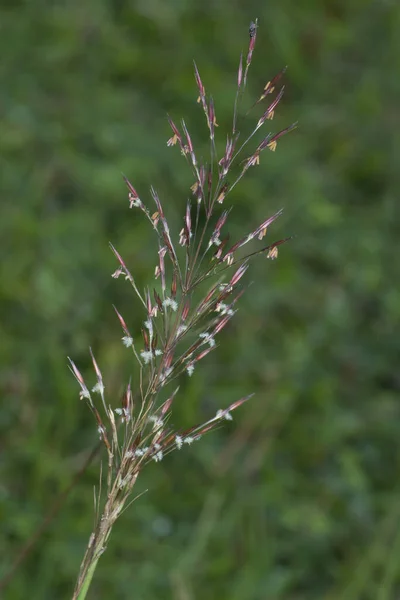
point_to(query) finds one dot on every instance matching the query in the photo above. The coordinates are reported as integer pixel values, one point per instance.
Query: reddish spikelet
(260, 232)
(238, 274)
(96, 368)
(224, 190)
(269, 113)
(189, 144)
(183, 237)
(188, 432)
(262, 229)
(222, 193)
(130, 187)
(273, 140)
(148, 304)
(168, 403)
(174, 284)
(204, 353)
(268, 142)
(127, 402)
(207, 298)
(198, 186)
(221, 222)
(221, 248)
(161, 254)
(134, 199)
(170, 248)
(240, 71)
(168, 359)
(119, 257)
(253, 160)
(270, 86)
(123, 324)
(186, 232)
(166, 235)
(270, 249)
(214, 239)
(84, 393)
(77, 373)
(122, 263)
(212, 119)
(205, 429)
(185, 310)
(176, 137)
(158, 203)
(167, 242)
(228, 258)
(98, 418)
(168, 441)
(202, 91)
(146, 340)
(224, 321)
(188, 220)
(174, 128)
(238, 403)
(158, 301)
(226, 160)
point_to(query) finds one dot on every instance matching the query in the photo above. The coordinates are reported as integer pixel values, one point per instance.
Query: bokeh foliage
(299, 497)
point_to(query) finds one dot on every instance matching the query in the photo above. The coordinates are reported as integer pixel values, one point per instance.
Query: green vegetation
(298, 498)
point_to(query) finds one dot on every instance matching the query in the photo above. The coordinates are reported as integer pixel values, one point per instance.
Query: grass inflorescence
(179, 328)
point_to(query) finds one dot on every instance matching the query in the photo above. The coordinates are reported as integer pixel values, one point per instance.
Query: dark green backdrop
(298, 498)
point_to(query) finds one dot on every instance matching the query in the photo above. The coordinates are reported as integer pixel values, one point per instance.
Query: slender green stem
(81, 595)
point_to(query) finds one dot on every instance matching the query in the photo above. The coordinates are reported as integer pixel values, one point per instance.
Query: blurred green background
(299, 497)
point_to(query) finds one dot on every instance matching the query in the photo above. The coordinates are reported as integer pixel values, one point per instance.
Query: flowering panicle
(181, 323)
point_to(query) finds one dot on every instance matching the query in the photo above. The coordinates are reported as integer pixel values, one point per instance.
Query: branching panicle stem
(179, 330)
